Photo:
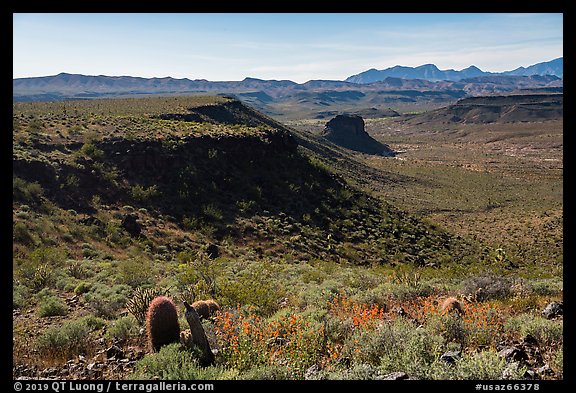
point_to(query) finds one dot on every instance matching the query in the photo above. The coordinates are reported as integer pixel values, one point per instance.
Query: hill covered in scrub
(214, 168)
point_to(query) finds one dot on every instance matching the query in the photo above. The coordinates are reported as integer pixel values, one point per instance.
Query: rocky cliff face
(161, 157)
(180, 168)
(348, 131)
(343, 125)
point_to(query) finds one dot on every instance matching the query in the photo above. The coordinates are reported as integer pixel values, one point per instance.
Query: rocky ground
(106, 360)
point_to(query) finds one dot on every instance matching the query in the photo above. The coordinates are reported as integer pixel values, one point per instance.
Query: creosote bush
(487, 287)
(24, 191)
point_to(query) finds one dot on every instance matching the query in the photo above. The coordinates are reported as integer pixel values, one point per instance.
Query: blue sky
(299, 47)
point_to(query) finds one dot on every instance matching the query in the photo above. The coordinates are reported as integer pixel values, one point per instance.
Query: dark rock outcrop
(131, 225)
(513, 354)
(213, 251)
(348, 131)
(450, 357)
(553, 310)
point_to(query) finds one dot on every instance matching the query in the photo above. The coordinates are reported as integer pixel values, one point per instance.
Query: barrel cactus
(206, 308)
(450, 305)
(162, 323)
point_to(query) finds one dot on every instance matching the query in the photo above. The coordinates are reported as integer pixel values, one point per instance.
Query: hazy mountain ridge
(427, 77)
(70, 86)
(431, 72)
(553, 67)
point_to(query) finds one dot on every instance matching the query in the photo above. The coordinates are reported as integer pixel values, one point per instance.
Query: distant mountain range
(431, 73)
(315, 98)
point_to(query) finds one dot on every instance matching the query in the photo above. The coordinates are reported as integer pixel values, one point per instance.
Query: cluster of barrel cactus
(162, 319)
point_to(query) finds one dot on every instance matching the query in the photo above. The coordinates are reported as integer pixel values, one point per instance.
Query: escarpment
(152, 171)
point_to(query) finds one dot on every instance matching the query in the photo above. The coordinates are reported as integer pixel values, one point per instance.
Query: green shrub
(487, 287)
(546, 287)
(403, 292)
(173, 362)
(191, 223)
(52, 306)
(90, 150)
(413, 353)
(51, 256)
(558, 362)
(337, 330)
(39, 268)
(142, 194)
(525, 303)
(197, 274)
(24, 215)
(138, 303)
(93, 322)
(106, 172)
(89, 252)
(450, 326)
(546, 332)
(135, 272)
(68, 340)
(398, 345)
(246, 206)
(107, 300)
(82, 287)
(485, 365)
(24, 191)
(123, 328)
(256, 286)
(80, 269)
(212, 213)
(45, 293)
(70, 182)
(115, 234)
(35, 126)
(377, 295)
(21, 234)
(20, 294)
